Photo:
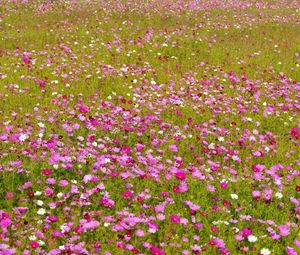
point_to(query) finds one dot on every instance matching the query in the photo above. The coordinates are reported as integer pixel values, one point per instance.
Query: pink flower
(153, 227)
(198, 225)
(83, 108)
(290, 251)
(256, 194)
(52, 218)
(50, 181)
(211, 188)
(214, 229)
(159, 208)
(48, 192)
(27, 185)
(219, 243)
(91, 225)
(106, 202)
(40, 82)
(283, 230)
(268, 194)
(258, 168)
(63, 183)
(139, 233)
(297, 243)
(126, 149)
(173, 147)
(239, 238)
(9, 195)
(57, 233)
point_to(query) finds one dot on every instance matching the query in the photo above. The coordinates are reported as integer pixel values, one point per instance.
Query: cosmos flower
(252, 238)
(41, 211)
(157, 251)
(180, 175)
(265, 251)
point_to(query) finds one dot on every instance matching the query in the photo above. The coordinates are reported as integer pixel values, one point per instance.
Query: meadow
(150, 127)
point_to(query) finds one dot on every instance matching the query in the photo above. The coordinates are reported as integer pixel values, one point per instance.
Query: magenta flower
(127, 194)
(198, 225)
(258, 168)
(295, 132)
(47, 171)
(223, 184)
(180, 175)
(34, 244)
(83, 108)
(246, 232)
(175, 219)
(157, 251)
(5, 220)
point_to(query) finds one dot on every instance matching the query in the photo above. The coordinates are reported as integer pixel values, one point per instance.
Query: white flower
(278, 195)
(252, 239)
(62, 247)
(106, 224)
(63, 228)
(265, 251)
(23, 137)
(211, 146)
(221, 139)
(52, 206)
(41, 242)
(41, 211)
(32, 237)
(152, 230)
(39, 202)
(208, 170)
(38, 193)
(236, 230)
(59, 195)
(41, 125)
(234, 196)
(55, 166)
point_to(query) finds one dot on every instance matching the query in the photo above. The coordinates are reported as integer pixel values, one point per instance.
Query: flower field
(157, 127)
